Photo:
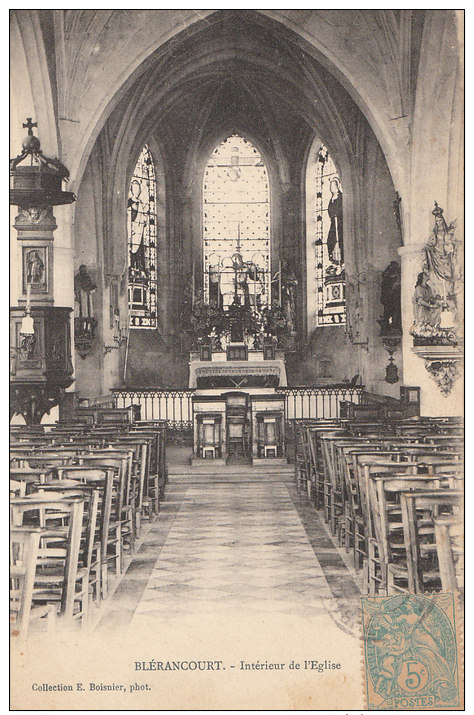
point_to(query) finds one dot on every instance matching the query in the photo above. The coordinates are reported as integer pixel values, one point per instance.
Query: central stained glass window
(236, 226)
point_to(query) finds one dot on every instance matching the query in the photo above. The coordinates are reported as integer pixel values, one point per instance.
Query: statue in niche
(335, 234)
(390, 297)
(34, 268)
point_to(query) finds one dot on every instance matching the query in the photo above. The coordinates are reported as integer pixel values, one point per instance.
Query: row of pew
(79, 496)
(392, 495)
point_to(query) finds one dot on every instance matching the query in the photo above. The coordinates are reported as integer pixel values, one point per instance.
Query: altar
(237, 411)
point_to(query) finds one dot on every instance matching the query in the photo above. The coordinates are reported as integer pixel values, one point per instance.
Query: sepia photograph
(236, 359)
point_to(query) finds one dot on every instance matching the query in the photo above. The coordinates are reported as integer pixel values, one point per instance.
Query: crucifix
(237, 261)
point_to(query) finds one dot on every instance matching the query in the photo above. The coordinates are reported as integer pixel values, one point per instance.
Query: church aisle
(226, 548)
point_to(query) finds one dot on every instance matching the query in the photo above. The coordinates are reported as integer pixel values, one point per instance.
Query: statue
(84, 286)
(390, 297)
(426, 308)
(35, 267)
(440, 259)
(434, 301)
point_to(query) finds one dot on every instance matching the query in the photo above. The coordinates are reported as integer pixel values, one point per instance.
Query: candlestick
(193, 286)
(28, 297)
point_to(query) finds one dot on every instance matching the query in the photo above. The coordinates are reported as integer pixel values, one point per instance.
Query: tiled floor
(220, 548)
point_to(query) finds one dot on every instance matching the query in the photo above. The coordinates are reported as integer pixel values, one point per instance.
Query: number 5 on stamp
(410, 652)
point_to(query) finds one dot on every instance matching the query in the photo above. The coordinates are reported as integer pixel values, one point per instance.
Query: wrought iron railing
(175, 406)
(317, 402)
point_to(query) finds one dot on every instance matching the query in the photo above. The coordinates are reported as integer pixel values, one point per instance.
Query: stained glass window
(141, 228)
(236, 226)
(326, 274)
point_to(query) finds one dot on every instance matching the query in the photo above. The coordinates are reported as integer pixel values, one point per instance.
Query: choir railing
(175, 406)
(318, 402)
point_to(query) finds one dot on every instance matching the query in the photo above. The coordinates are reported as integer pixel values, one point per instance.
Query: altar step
(244, 472)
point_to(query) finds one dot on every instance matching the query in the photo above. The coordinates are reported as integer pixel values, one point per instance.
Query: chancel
(237, 287)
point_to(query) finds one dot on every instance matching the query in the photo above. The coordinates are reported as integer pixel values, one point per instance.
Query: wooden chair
(449, 535)
(24, 547)
(122, 523)
(107, 536)
(301, 474)
(419, 510)
(90, 555)
(386, 514)
(58, 578)
(333, 499)
(157, 471)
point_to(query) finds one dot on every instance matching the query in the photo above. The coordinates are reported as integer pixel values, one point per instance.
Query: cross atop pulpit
(29, 125)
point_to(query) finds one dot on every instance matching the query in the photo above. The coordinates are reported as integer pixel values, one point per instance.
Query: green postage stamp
(411, 657)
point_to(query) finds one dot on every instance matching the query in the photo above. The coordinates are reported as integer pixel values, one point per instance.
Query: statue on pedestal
(434, 301)
(440, 259)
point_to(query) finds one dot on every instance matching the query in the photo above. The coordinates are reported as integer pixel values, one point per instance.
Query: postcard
(236, 359)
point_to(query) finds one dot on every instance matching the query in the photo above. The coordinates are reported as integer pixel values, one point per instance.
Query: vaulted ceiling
(240, 73)
(94, 57)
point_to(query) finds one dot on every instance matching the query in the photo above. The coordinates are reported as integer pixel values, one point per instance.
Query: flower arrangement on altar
(274, 322)
(210, 323)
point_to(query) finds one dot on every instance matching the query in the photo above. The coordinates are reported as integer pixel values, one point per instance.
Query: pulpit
(40, 362)
(40, 332)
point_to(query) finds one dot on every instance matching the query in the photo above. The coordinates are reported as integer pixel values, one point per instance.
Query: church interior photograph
(236, 332)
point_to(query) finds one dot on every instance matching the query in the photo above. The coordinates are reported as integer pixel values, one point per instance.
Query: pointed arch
(236, 225)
